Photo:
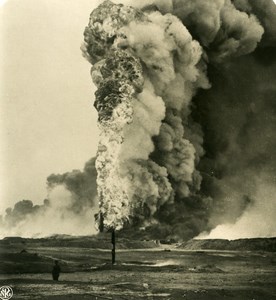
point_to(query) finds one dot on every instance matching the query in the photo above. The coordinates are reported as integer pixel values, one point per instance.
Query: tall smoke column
(171, 152)
(136, 56)
(148, 68)
(119, 78)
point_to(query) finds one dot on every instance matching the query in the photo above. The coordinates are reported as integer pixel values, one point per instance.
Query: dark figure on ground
(56, 271)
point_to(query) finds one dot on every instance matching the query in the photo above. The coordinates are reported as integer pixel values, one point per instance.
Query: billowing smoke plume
(69, 209)
(80, 184)
(138, 57)
(166, 155)
(186, 104)
(239, 166)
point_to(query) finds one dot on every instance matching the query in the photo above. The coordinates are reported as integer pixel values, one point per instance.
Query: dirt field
(159, 273)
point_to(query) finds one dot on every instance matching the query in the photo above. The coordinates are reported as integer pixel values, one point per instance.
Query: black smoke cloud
(69, 209)
(217, 150)
(216, 144)
(81, 185)
(22, 210)
(239, 120)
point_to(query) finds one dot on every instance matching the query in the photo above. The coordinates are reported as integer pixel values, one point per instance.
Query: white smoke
(57, 218)
(258, 220)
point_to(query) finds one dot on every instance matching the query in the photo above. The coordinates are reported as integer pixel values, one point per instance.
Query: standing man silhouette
(56, 271)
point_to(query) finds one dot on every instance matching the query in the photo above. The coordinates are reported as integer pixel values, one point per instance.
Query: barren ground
(157, 273)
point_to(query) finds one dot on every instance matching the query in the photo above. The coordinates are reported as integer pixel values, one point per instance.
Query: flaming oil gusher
(133, 76)
(118, 77)
(121, 101)
(151, 144)
(147, 67)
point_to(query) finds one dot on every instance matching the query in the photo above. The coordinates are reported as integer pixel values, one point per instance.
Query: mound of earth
(256, 244)
(100, 241)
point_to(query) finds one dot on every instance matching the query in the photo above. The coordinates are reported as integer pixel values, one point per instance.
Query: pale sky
(48, 122)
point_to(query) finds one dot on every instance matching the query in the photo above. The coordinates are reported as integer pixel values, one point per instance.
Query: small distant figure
(56, 271)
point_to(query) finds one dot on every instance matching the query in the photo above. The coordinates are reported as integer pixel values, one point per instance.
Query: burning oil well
(132, 74)
(180, 152)
(149, 61)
